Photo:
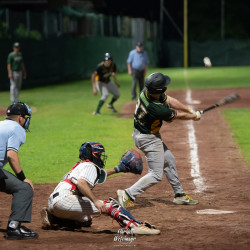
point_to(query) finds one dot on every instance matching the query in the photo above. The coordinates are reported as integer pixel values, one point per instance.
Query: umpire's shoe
(18, 232)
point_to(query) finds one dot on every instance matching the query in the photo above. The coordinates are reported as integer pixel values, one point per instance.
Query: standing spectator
(101, 81)
(16, 72)
(137, 67)
(12, 134)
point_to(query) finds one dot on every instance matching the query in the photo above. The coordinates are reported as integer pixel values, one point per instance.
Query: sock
(113, 100)
(13, 224)
(99, 105)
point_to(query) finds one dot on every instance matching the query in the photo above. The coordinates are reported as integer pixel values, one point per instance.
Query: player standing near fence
(155, 106)
(16, 72)
(101, 82)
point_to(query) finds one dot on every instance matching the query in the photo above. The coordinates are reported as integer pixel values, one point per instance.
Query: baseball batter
(153, 107)
(73, 202)
(101, 82)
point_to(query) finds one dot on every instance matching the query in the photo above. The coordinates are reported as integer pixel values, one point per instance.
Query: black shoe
(20, 233)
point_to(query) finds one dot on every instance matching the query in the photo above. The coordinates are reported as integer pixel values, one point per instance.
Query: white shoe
(123, 199)
(145, 229)
(184, 200)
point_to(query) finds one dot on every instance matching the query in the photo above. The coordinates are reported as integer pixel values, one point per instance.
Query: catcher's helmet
(22, 109)
(157, 83)
(93, 151)
(107, 56)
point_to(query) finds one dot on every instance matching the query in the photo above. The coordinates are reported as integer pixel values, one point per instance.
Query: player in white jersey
(72, 202)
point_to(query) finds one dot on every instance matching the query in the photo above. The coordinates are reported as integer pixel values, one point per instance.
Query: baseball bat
(226, 100)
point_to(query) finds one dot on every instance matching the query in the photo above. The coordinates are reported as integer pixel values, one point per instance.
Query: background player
(73, 201)
(101, 81)
(154, 107)
(16, 72)
(12, 136)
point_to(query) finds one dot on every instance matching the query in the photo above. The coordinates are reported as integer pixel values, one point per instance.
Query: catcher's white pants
(159, 159)
(72, 207)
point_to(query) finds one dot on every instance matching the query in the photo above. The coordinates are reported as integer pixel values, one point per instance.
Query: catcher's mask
(157, 83)
(94, 152)
(22, 109)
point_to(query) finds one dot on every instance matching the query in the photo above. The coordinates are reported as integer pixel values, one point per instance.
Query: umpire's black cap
(139, 44)
(19, 108)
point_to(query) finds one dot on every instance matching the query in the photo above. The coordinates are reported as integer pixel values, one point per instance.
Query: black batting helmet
(157, 83)
(107, 56)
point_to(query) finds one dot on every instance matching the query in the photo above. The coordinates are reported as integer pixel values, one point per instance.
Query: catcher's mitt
(131, 161)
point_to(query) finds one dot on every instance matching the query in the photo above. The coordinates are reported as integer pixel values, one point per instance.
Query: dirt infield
(221, 220)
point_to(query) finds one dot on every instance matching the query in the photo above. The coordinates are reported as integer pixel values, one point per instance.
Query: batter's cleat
(46, 217)
(110, 106)
(144, 229)
(124, 199)
(20, 233)
(96, 113)
(184, 199)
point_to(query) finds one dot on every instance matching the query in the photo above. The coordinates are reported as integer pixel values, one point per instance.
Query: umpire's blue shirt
(12, 136)
(138, 60)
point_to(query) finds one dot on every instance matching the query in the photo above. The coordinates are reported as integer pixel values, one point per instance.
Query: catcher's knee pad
(120, 214)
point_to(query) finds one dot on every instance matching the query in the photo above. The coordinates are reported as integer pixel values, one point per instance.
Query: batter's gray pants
(22, 193)
(15, 85)
(159, 160)
(137, 75)
(106, 88)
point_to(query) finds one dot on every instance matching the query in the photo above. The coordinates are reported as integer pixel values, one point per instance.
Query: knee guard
(120, 214)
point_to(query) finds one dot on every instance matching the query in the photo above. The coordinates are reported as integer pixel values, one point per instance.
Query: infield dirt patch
(226, 178)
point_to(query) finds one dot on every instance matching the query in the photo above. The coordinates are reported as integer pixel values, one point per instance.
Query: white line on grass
(194, 157)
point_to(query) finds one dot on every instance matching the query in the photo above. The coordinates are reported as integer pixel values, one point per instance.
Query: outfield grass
(62, 118)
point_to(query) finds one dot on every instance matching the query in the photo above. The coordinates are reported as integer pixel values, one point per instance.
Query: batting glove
(198, 115)
(191, 111)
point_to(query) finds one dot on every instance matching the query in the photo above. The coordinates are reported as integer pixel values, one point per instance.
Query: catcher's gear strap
(120, 214)
(101, 175)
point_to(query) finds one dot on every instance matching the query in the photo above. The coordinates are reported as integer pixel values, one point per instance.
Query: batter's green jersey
(104, 73)
(15, 61)
(150, 113)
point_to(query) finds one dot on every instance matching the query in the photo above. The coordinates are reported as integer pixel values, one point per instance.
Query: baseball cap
(18, 108)
(16, 44)
(139, 44)
(107, 56)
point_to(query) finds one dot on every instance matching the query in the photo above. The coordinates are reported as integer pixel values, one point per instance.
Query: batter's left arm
(175, 104)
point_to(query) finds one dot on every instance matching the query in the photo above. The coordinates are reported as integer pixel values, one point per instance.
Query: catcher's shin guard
(120, 214)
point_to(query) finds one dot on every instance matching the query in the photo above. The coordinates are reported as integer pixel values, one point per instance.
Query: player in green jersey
(155, 106)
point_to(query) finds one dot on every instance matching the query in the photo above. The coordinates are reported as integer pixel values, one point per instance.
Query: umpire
(12, 134)
(137, 67)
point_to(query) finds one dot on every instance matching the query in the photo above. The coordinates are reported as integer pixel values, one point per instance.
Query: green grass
(62, 118)
(239, 120)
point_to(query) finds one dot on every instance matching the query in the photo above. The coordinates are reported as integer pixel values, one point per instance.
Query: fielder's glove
(131, 161)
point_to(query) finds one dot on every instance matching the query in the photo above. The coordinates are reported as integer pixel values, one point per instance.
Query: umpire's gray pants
(159, 159)
(22, 193)
(15, 85)
(137, 75)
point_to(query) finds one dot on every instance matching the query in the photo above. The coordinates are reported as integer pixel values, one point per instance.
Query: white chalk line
(194, 157)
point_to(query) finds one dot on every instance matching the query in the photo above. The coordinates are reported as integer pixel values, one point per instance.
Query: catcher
(73, 202)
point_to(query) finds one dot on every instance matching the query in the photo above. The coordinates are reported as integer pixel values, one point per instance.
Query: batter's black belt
(55, 195)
